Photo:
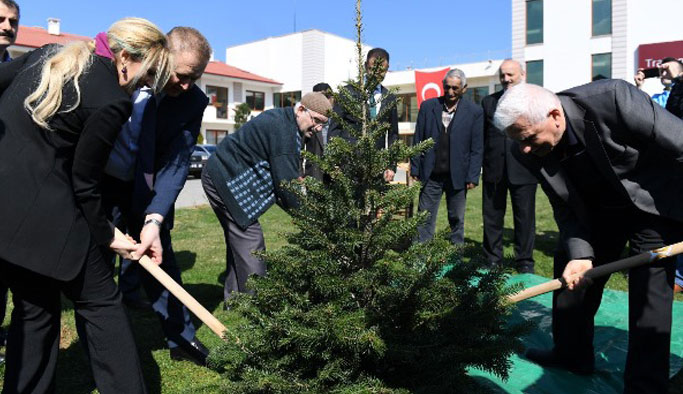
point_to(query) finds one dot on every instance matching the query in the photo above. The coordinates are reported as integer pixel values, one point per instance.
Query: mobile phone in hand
(651, 72)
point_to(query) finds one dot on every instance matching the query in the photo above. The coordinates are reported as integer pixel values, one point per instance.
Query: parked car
(199, 157)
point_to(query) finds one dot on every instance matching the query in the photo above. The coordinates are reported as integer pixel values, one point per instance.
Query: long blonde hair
(140, 38)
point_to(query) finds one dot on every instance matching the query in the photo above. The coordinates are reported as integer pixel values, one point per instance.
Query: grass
(198, 242)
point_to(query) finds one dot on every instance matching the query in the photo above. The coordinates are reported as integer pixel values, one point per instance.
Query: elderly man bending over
(242, 179)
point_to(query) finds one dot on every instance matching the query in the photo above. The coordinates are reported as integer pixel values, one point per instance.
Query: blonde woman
(60, 111)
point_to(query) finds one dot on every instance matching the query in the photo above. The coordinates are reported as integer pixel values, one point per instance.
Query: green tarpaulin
(611, 341)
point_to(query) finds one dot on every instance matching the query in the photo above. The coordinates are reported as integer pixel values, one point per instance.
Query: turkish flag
(429, 84)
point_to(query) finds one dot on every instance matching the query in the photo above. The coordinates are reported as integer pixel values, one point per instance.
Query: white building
(566, 43)
(228, 87)
(298, 60)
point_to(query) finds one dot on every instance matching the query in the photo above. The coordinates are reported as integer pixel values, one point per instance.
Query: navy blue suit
(465, 139)
(178, 121)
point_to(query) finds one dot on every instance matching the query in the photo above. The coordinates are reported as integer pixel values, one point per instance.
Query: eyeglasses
(317, 121)
(449, 87)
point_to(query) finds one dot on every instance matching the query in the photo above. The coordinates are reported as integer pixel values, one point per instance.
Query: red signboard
(429, 84)
(650, 55)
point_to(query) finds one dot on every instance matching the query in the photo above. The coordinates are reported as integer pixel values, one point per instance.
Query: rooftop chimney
(53, 26)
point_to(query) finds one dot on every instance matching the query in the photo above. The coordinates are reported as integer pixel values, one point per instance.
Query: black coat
(636, 145)
(498, 157)
(50, 201)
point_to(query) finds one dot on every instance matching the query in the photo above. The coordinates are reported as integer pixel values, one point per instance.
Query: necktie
(373, 106)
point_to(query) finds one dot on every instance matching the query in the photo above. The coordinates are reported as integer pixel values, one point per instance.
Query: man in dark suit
(165, 145)
(609, 159)
(453, 165)
(9, 25)
(503, 172)
(377, 59)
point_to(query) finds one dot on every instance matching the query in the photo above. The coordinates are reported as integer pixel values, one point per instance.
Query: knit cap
(317, 102)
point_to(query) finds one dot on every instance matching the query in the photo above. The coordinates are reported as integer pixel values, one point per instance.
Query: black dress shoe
(525, 269)
(549, 358)
(193, 350)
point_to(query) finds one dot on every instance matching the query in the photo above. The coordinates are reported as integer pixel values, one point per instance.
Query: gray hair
(526, 100)
(184, 38)
(456, 73)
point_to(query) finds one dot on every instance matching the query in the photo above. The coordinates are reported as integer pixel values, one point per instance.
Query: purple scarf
(102, 46)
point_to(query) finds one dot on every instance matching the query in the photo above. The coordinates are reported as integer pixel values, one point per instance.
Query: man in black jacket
(503, 172)
(609, 159)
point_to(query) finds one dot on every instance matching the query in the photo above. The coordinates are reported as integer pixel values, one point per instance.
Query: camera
(651, 72)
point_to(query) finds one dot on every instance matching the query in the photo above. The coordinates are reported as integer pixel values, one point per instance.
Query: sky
(417, 34)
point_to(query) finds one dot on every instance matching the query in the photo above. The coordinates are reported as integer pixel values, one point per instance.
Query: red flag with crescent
(429, 84)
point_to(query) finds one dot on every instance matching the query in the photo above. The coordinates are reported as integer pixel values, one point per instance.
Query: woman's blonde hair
(140, 38)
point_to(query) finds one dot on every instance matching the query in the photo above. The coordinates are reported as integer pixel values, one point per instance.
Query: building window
(534, 22)
(215, 136)
(407, 108)
(498, 87)
(286, 99)
(218, 97)
(477, 93)
(602, 17)
(601, 66)
(534, 72)
(255, 100)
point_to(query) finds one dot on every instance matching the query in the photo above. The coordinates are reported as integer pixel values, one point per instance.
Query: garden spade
(602, 270)
(181, 294)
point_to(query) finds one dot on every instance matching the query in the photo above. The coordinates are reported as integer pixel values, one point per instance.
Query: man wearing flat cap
(243, 179)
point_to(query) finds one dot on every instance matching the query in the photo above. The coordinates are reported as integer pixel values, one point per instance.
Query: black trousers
(650, 298)
(494, 204)
(101, 321)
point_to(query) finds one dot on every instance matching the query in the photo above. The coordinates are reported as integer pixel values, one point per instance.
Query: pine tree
(345, 307)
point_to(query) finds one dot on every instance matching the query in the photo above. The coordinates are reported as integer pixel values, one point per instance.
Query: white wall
(299, 60)
(277, 58)
(341, 60)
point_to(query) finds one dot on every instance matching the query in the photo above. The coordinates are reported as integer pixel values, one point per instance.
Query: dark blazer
(316, 146)
(636, 145)
(391, 117)
(50, 199)
(498, 157)
(466, 141)
(178, 123)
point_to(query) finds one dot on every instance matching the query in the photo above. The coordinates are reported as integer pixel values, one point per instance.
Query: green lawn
(200, 249)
